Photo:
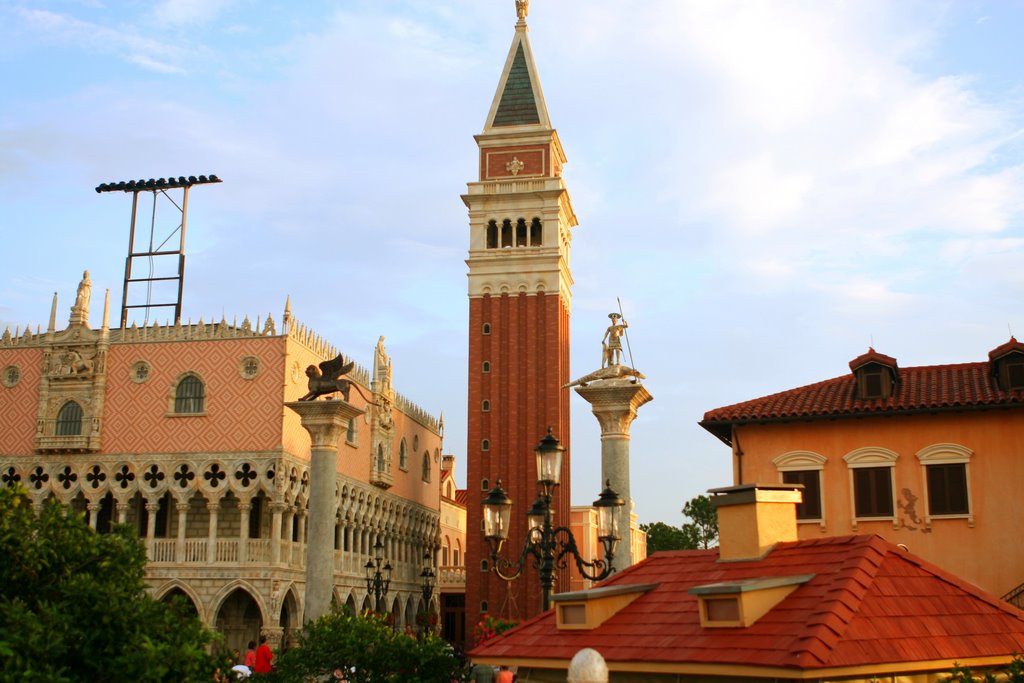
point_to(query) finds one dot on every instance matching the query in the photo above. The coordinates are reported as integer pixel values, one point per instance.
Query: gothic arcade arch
(178, 587)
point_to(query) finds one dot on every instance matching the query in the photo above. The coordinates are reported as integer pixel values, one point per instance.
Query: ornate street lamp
(427, 578)
(550, 547)
(378, 578)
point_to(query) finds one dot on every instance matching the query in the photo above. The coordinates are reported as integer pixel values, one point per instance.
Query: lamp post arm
(599, 568)
(510, 570)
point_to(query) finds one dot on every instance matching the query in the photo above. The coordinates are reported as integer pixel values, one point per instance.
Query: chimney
(447, 462)
(752, 518)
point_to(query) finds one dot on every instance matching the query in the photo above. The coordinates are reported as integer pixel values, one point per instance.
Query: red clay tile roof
(927, 387)
(868, 603)
(462, 497)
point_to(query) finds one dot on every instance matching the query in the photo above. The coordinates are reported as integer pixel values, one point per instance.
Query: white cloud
(125, 42)
(182, 12)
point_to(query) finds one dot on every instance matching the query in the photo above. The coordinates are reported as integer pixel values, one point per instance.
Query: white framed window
(872, 484)
(806, 468)
(945, 477)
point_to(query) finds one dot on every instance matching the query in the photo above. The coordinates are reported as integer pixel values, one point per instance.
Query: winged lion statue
(327, 378)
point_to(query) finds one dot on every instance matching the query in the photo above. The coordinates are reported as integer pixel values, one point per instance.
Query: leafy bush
(363, 648)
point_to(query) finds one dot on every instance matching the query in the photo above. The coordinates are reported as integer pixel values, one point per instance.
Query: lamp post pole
(550, 547)
(427, 578)
(427, 581)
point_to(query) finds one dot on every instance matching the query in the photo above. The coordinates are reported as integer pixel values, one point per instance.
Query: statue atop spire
(522, 9)
(80, 310)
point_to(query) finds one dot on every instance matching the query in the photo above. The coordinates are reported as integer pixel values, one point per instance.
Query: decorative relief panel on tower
(517, 162)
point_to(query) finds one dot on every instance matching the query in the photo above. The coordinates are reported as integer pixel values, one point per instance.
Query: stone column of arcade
(615, 393)
(326, 422)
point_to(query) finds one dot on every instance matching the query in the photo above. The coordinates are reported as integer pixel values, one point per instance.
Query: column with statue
(326, 421)
(614, 393)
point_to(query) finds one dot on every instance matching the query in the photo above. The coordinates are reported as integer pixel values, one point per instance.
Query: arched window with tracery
(69, 419)
(189, 395)
(426, 467)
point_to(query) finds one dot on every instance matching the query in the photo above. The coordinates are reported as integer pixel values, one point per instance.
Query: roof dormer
(738, 604)
(588, 609)
(877, 375)
(1007, 365)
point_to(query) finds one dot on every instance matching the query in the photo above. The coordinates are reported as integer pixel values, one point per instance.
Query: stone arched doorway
(289, 620)
(239, 620)
(181, 597)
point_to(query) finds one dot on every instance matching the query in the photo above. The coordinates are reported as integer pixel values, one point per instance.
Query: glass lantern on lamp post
(550, 547)
(427, 578)
(378, 578)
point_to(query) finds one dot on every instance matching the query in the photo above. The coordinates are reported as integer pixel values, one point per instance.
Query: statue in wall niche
(327, 378)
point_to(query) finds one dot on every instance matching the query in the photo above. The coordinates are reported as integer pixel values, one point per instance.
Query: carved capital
(614, 404)
(326, 421)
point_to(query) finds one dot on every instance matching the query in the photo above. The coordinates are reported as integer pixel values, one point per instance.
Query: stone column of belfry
(614, 394)
(326, 422)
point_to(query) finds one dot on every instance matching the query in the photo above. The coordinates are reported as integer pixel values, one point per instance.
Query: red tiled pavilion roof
(869, 603)
(928, 387)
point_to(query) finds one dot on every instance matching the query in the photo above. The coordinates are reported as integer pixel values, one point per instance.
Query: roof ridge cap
(839, 584)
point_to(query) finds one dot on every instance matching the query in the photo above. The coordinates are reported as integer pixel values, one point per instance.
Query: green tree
(73, 605)
(364, 648)
(702, 530)
(661, 536)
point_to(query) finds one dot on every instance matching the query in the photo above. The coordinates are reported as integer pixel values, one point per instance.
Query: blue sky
(769, 187)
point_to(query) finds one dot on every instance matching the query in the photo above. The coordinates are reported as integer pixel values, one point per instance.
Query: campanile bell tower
(520, 221)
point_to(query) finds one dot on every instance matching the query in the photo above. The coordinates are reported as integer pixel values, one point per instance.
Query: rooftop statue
(80, 310)
(522, 9)
(327, 379)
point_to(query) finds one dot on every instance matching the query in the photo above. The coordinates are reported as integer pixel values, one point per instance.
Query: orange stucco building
(182, 432)
(927, 457)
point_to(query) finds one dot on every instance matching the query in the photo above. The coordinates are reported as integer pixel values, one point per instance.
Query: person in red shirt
(250, 655)
(263, 657)
(505, 676)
